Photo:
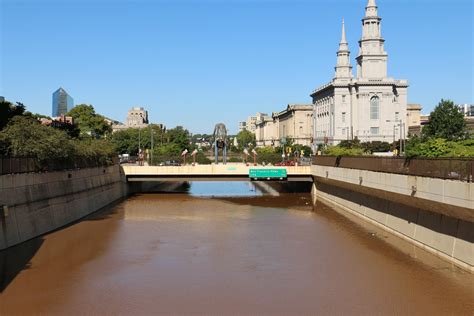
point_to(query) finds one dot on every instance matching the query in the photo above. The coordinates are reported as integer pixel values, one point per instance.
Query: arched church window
(374, 108)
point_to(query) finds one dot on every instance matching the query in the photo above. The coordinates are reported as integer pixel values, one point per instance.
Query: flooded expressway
(226, 248)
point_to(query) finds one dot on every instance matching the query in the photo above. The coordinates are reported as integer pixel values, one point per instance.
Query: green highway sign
(268, 174)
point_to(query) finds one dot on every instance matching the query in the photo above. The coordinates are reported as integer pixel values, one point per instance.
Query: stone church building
(370, 106)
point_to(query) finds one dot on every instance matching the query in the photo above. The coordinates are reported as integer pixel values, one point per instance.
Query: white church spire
(343, 67)
(343, 36)
(371, 9)
(372, 59)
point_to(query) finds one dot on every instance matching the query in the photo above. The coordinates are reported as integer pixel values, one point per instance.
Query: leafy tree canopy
(89, 122)
(178, 136)
(439, 147)
(8, 111)
(24, 136)
(245, 139)
(447, 122)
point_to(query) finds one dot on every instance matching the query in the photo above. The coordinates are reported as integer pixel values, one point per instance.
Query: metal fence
(443, 168)
(10, 165)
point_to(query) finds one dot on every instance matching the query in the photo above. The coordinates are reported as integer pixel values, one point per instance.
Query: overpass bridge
(228, 172)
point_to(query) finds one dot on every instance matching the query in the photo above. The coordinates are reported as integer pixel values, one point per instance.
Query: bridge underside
(179, 178)
(229, 172)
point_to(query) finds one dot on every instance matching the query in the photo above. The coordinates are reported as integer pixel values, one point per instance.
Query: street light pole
(152, 145)
(401, 141)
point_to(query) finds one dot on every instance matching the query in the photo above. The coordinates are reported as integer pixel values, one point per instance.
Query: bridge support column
(314, 193)
(224, 153)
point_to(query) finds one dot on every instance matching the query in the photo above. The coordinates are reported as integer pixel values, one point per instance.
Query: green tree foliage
(96, 151)
(356, 148)
(89, 122)
(8, 111)
(376, 147)
(439, 147)
(167, 145)
(299, 148)
(268, 155)
(126, 141)
(37, 115)
(202, 159)
(447, 122)
(343, 151)
(179, 136)
(245, 139)
(24, 136)
(166, 152)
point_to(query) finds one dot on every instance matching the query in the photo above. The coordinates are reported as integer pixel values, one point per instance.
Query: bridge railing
(9, 165)
(461, 169)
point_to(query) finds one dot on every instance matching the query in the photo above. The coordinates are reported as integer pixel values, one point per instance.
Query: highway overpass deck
(228, 172)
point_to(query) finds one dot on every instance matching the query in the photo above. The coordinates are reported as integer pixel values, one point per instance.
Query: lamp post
(151, 144)
(402, 133)
(139, 145)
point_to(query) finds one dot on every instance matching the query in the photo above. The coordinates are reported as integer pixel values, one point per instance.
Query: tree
(125, 141)
(268, 155)
(89, 122)
(447, 122)
(244, 139)
(178, 136)
(8, 111)
(24, 136)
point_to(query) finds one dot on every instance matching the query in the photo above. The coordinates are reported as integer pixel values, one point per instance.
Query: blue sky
(199, 62)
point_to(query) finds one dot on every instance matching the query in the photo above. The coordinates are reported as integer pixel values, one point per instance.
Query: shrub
(439, 147)
(341, 151)
(24, 136)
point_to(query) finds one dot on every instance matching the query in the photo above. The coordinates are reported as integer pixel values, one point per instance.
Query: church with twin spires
(370, 106)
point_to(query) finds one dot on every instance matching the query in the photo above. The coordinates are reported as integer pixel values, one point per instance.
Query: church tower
(343, 67)
(372, 59)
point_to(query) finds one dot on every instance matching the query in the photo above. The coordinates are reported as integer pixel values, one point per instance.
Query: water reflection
(224, 189)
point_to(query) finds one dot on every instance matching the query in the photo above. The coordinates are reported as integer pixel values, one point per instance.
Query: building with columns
(295, 123)
(370, 106)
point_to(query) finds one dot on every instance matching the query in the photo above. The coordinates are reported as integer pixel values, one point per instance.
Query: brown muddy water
(237, 252)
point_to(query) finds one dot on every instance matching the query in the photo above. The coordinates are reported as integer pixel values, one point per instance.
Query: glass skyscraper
(62, 102)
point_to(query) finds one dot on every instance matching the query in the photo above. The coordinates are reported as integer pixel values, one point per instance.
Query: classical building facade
(413, 119)
(467, 109)
(369, 106)
(137, 117)
(251, 123)
(266, 132)
(295, 123)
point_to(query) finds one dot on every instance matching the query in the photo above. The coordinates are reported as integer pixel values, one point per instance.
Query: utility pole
(139, 140)
(152, 144)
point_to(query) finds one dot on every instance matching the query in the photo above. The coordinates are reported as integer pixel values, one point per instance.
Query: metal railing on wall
(9, 165)
(443, 168)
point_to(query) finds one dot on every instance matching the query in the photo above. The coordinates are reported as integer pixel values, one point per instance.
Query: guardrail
(10, 165)
(443, 168)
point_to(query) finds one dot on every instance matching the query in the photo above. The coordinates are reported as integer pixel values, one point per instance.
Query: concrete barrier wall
(36, 203)
(438, 218)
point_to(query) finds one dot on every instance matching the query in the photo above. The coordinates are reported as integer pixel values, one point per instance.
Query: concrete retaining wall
(32, 204)
(438, 218)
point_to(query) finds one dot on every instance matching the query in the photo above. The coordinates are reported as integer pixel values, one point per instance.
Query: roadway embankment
(434, 214)
(32, 204)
